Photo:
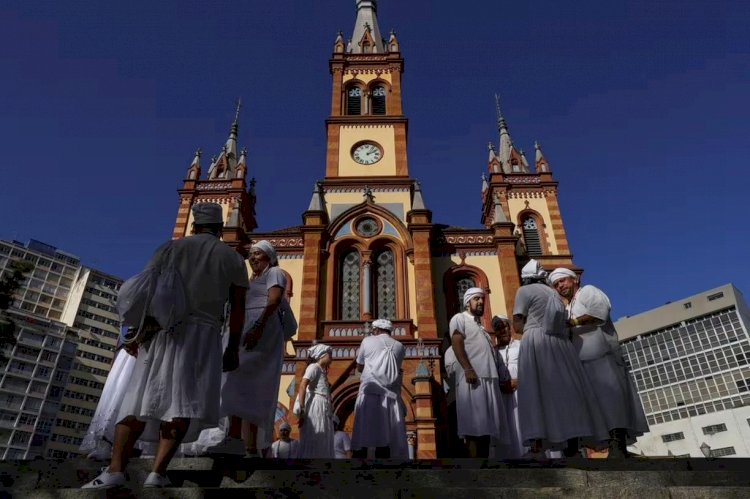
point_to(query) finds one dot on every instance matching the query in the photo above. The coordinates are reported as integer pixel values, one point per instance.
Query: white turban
(533, 269)
(560, 273)
(266, 248)
(317, 351)
(285, 426)
(207, 213)
(471, 293)
(383, 324)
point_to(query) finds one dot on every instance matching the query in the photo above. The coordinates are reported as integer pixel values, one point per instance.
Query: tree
(10, 281)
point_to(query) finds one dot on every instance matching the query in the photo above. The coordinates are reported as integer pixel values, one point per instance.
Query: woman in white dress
(249, 394)
(315, 415)
(556, 403)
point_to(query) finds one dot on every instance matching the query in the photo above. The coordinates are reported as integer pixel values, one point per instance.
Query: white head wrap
(317, 351)
(471, 293)
(383, 324)
(266, 248)
(207, 213)
(533, 269)
(560, 273)
(285, 426)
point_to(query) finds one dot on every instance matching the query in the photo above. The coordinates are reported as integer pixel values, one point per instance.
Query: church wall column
(425, 291)
(367, 286)
(311, 285)
(506, 255)
(558, 230)
(426, 423)
(183, 215)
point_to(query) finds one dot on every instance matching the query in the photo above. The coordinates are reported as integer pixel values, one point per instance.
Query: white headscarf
(317, 351)
(383, 324)
(560, 273)
(471, 293)
(533, 269)
(268, 249)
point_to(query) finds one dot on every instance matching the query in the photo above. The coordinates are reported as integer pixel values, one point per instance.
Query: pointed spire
(506, 144)
(339, 45)
(501, 124)
(194, 172)
(231, 145)
(485, 184)
(393, 45)
(417, 202)
(491, 149)
(499, 214)
(366, 29)
(524, 162)
(542, 165)
(242, 164)
(317, 202)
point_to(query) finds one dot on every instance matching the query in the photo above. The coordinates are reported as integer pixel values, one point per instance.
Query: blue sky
(641, 107)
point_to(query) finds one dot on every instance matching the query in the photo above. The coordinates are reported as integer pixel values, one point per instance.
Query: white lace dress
(316, 434)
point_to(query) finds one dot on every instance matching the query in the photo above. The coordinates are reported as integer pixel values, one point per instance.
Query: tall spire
(232, 140)
(542, 165)
(506, 144)
(366, 37)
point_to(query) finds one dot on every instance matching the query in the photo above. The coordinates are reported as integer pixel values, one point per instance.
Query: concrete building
(691, 363)
(67, 333)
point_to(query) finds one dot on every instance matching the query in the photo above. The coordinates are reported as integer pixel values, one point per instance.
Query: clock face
(367, 153)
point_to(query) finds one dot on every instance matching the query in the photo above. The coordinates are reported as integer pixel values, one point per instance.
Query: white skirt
(316, 434)
(514, 449)
(379, 422)
(177, 375)
(105, 418)
(252, 391)
(480, 411)
(618, 398)
(556, 402)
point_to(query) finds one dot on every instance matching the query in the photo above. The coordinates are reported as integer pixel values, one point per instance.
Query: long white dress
(479, 408)
(556, 402)
(251, 391)
(508, 361)
(379, 412)
(178, 374)
(599, 350)
(105, 418)
(316, 434)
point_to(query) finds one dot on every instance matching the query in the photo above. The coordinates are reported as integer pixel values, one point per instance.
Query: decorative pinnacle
(500, 119)
(198, 153)
(490, 146)
(368, 28)
(537, 145)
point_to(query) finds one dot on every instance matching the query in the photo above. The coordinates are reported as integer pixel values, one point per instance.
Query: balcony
(360, 329)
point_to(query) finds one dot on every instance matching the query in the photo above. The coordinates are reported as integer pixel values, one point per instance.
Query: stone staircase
(459, 478)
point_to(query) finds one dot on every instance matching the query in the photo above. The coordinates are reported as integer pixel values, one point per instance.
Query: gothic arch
(451, 278)
(349, 102)
(540, 229)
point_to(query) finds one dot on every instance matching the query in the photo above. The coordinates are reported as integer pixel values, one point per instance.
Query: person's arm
(302, 395)
(275, 295)
(459, 349)
(231, 360)
(519, 322)
(583, 320)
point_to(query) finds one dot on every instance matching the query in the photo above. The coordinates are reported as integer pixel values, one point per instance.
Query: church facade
(369, 248)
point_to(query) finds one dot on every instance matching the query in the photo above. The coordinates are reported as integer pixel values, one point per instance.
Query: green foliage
(10, 281)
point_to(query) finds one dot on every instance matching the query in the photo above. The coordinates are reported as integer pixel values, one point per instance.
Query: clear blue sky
(642, 108)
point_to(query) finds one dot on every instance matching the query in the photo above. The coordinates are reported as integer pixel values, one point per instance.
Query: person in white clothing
(556, 403)
(342, 444)
(379, 411)
(479, 405)
(175, 385)
(595, 339)
(249, 394)
(315, 412)
(285, 447)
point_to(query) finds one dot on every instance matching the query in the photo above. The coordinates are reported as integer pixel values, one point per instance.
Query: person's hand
(251, 339)
(301, 420)
(514, 385)
(471, 376)
(231, 359)
(131, 348)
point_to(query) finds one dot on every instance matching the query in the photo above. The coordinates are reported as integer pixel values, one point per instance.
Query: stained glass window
(385, 284)
(531, 237)
(354, 101)
(463, 285)
(350, 276)
(378, 100)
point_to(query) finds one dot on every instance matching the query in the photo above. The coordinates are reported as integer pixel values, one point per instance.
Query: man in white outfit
(285, 447)
(595, 339)
(175, 386)
(479, 405)
(379, 411)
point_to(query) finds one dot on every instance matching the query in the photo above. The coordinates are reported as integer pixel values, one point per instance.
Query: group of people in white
(551, 379)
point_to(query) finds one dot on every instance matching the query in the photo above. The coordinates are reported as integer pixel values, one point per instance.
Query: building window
(715, 296)
(354, 101)
(715, 428)
(531, 237)
(724, 451)
(350, 279)
(671, 437)
(378, 100)
(687, 305)
(385, 283)
(462, 286)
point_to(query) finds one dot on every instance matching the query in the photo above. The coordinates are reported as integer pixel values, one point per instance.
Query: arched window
(385, 285)
(463, 285)
(378, 100)
(350, 277)
(531, 236)
(354, 101)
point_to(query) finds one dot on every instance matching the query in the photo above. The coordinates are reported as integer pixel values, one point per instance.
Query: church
(369, 248)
